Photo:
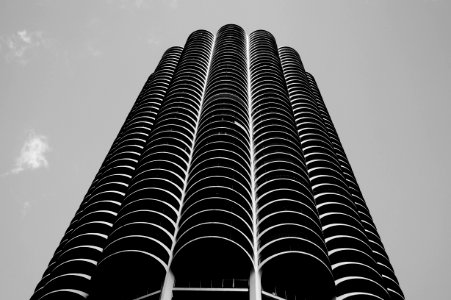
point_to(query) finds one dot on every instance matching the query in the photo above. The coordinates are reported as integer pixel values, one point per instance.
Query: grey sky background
(71, 70)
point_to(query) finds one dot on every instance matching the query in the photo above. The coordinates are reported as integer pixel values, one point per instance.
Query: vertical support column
(255, 285)
(168, 286)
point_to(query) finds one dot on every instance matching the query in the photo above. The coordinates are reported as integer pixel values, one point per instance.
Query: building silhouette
(226, 181)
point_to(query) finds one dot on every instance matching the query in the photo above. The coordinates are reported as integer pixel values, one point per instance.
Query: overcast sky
(71, 70)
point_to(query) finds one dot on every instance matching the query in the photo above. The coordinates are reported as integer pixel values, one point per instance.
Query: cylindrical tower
(136, 258)
(353, 266)
(214, 246)
(75, 260)
(379, 255)
(294, 261)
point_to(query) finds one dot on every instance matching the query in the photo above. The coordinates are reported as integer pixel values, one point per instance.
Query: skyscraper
(226, 181)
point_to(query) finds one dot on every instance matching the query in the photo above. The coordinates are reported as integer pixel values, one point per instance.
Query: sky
(70, 72)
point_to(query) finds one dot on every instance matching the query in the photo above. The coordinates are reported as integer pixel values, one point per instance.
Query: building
(226, 181)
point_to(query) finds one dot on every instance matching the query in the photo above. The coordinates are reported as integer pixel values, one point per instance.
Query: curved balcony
(290, 235)
(144, 230)
(338, 213)
(217, 213)
(383, 265)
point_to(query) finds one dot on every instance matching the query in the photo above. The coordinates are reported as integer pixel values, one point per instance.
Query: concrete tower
(226, 181)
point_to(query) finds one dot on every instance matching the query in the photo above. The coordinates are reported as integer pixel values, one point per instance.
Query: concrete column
(255, 286)
(168, 286)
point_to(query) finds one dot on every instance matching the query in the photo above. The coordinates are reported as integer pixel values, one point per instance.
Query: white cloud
(139, 4)
(25, 208)
(32, 154)
(16, 47)
(153, 42)
(129, 4)
(173, 4)
(93, 51)
(24, 36)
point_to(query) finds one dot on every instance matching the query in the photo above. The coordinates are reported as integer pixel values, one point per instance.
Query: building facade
(226, 181)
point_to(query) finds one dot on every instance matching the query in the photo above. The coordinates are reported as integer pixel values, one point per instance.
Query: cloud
(129, 4)
(32, 154)
(173, 4)
(140, 4)
(16, 47)
(25, 208)
(92, 50)
(153, 42)
(25, 36)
